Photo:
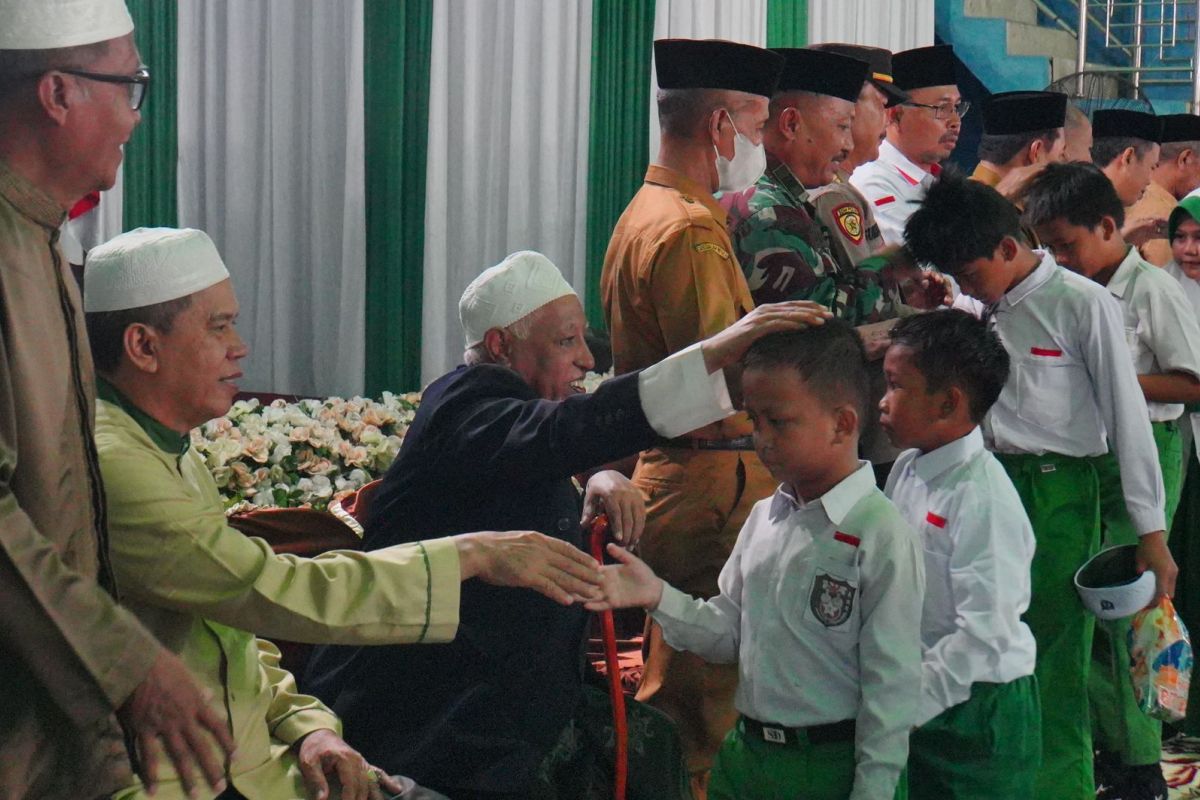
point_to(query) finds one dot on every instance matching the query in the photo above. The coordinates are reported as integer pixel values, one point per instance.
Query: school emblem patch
(849, 222)
(831, 600)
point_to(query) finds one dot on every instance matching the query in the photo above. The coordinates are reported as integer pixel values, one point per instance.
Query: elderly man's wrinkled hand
(322, 755)
(1139, 230)
(529, 560)
(168, 711)
(610, 491)
(927, 290)
(727, 347)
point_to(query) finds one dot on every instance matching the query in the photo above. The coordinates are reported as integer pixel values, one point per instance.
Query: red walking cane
(621, 733)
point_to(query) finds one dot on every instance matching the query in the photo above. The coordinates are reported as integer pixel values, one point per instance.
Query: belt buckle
(774, 735)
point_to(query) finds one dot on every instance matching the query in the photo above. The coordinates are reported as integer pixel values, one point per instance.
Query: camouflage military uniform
(787, 254)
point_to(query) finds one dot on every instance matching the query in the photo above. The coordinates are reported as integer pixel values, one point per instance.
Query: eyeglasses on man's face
(945, 110)
(138, 83)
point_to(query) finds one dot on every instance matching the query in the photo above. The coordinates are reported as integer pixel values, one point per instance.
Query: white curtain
(741, 21)
(271, 166)
(508, 147)
(894, 24)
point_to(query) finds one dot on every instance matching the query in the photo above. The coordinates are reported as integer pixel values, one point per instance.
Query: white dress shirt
(820, 606)
(679, 395)
(978, 548)
(1160, 325)
(895, 187)
(1072, 388)
(1191, 290)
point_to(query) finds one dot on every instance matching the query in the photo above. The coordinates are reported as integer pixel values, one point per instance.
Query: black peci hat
(1180, 128)
(1110, 122)
(716, 64)
(1023, 112)
(822, 73)
(925, 66)
(880, 62)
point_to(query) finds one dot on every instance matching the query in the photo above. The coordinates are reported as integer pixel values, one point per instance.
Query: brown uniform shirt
(68, 653)
(670, 278)
(1155, 202)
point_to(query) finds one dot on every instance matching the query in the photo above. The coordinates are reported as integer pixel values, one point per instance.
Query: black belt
(815, 734)
(691, 443)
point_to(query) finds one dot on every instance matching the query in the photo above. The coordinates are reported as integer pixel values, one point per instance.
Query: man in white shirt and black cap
(71, 84)
(921, 134)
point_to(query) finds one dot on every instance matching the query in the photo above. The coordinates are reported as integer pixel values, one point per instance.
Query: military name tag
(849, 222)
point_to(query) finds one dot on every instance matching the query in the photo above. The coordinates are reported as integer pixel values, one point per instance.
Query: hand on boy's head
(1139, 230)
(1153, 554)
(727, 347)
(627, 584)
(929, 290)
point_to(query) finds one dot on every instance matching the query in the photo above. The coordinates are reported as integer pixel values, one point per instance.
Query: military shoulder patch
(711, 247)
(849, 222)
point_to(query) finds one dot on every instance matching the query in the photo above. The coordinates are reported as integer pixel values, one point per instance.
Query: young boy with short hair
(1076, 212)
(1071, 396)
(979, 717)
(820, 601)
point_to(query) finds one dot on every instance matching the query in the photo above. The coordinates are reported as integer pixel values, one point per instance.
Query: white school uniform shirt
(1160, 325)
(820, 606)
(1072, 388)
(1191, 290)
(978, 545)
(895, 187)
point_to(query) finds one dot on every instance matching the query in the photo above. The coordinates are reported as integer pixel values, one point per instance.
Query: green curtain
(618, 141)
(396, 86)
(787, 23)
(151, 153)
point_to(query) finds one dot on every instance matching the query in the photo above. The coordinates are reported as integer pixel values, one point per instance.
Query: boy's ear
(845, 423)
(954, 399)
(1108, 227)
(1008, 248)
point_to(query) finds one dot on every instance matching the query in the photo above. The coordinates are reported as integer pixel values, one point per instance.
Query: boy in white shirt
(979, 718)
(1076, 212)
(820, 601)
(1072, 395)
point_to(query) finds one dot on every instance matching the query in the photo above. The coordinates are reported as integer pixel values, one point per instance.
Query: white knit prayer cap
(150, 265)
(46, 24)
(516, 287)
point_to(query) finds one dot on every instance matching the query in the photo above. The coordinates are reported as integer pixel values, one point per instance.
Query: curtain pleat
(622, 39)
(787, 23)
(396, 87)
(151, 153)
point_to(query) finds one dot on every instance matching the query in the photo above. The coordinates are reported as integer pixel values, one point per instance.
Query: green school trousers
(747, 768)
(988, 747)
(1118, 725)
(1061, 497)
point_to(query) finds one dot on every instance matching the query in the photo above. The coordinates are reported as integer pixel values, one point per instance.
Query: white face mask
(747, 165)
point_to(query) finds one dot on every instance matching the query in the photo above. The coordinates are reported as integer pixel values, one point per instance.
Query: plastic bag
(1160, 660)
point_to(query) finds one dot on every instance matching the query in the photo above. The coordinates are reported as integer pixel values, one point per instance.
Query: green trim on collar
(164, 438)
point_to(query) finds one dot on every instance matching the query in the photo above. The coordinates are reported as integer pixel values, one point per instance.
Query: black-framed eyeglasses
(138, 82)
(944, 111)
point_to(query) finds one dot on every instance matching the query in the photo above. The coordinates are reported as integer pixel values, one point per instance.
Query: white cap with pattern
(47, 24)
(150, 265)
(516, 287)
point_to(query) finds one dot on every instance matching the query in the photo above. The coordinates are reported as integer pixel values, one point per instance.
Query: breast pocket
(1044, 385)
(832, 599)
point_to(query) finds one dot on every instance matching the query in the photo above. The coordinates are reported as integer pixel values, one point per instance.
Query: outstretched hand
(726, 348)
(529, 560)
(1139, 230)
(628, 583)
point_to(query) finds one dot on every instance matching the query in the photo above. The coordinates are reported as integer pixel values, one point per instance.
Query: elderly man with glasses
(921, 133)
(71, 83)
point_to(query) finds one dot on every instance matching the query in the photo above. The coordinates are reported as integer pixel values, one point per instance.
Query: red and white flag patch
(883, 201)
(1047, 352)
(853, 541)
(936, 520)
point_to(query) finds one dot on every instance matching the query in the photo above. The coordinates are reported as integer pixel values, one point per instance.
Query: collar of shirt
(932, 464)
(782, 176)
(29, 199)
(889, 154)
(985, 175)
(1118, 284)
(164, 438)
(836, 502)
(1032, 282)
(663, 176)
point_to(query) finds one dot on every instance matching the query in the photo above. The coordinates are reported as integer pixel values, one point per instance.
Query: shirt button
(564, 524)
